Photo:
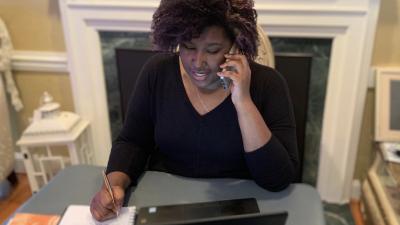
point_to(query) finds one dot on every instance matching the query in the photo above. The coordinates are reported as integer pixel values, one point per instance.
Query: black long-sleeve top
(163, 130)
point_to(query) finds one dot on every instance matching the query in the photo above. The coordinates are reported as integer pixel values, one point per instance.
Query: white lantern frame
(74, 139)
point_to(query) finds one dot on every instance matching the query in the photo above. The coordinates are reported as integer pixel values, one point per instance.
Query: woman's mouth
(199, 75)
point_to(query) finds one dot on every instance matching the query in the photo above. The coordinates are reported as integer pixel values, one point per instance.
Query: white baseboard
(19, 166)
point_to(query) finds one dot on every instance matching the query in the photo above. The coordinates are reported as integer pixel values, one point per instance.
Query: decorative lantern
(53, 140)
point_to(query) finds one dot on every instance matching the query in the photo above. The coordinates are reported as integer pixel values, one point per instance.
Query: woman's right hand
(102, 206)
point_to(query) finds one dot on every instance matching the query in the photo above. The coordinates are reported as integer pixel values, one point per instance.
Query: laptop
(226, 212)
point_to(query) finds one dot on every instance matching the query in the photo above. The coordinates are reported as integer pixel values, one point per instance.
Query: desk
(77, 185)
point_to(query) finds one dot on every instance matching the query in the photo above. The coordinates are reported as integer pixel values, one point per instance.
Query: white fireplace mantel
(350, 23)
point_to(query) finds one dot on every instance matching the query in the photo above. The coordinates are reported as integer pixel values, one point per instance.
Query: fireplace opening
(295, 68)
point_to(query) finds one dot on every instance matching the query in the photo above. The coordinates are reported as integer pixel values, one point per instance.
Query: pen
(107, 182)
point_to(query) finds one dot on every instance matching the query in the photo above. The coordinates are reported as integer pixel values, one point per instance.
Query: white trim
(371, 77)
(113, 4)
(261, 7)
(39, 61)
(350, 23)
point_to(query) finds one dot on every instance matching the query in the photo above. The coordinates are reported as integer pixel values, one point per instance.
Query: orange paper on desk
(34, 219)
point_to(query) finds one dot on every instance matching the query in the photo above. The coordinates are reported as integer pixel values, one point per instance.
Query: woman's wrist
(117, 178)
(244, 104)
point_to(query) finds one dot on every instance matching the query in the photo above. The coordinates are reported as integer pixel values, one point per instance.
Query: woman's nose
(199, 59)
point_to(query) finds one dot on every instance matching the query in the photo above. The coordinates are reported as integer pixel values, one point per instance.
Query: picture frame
(387, 105)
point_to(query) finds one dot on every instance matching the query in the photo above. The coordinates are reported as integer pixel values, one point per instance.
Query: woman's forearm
(255, 133)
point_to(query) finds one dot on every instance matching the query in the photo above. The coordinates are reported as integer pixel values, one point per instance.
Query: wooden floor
(20, 193)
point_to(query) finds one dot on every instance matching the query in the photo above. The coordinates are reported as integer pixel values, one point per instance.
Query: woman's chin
(207, 83)
(209, 86)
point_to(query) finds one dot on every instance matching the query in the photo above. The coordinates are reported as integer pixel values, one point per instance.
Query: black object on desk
(246, 219)
(183, 213)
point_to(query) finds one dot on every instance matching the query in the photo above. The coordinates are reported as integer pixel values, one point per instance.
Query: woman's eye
(213, 51)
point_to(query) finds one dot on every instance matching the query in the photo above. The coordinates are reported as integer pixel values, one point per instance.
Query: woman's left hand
(240, 76)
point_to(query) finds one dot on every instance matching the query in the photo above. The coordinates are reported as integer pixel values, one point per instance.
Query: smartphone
(225, 82)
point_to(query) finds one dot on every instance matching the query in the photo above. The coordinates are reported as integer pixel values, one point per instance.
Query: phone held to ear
(225, 81)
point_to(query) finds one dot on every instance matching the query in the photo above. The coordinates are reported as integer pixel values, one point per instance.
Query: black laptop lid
(234, 211)
(248, 219)
(245, 219)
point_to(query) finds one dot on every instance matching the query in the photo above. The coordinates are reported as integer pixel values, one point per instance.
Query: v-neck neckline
(186, 98)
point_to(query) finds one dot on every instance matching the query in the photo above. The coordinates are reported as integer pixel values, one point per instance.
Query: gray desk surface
(77, 185)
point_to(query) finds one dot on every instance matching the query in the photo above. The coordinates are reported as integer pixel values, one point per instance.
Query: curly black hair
(177, 21)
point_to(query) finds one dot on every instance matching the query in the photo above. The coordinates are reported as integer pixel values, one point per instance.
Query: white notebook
(80, 214)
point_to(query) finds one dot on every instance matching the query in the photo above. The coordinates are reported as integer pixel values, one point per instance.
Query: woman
(180, 119)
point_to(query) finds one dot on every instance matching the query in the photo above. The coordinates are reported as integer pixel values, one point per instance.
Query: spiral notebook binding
(132, 215)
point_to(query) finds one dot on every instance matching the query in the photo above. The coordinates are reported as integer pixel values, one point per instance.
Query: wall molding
(45, 61)
(39, 61)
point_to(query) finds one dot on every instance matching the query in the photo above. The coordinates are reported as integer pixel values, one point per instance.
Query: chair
(265, 53)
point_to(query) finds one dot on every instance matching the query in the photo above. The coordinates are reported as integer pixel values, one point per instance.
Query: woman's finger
(99, 212)
(237, 64)
(106, 200)
(119, 194)
(234, 56)
(229, 74)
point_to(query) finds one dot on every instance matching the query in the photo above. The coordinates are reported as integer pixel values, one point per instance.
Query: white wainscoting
(39, 61)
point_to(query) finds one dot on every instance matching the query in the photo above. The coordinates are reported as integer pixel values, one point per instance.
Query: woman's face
(202, 56)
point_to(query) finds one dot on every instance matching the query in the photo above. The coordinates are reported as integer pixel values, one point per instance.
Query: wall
(35, 25)
(386, 53)
(387, 44)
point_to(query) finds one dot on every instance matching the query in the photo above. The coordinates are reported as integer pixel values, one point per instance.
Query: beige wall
(386, 53)
(32, 85)
(35, 25)
(366, 153)
(387, 44)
